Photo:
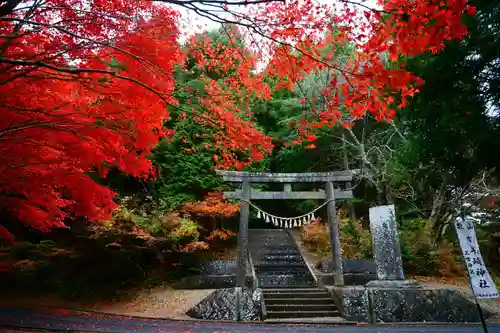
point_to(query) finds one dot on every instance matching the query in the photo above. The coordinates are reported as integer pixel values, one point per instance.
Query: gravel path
(158, 302)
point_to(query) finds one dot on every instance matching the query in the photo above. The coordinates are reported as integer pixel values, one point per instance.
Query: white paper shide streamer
(286, 222)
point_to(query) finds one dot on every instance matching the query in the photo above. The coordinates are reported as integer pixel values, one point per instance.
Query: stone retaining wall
(221, 305)
(218, 267)
(357, 272)
(406, 305)
(210, 282)
(216, 274)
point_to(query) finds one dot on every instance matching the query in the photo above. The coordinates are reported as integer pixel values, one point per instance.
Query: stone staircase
(285, 303)
(290, 291)
(277, 261)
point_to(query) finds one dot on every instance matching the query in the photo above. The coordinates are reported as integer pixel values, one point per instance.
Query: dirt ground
(158, 302)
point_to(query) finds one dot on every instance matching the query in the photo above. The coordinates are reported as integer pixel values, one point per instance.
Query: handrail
(255, 283)
(263, 311)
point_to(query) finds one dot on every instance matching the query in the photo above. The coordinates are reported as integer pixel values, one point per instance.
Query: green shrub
(423, 256)
(186, 229)
(355, 241)
(417, 250)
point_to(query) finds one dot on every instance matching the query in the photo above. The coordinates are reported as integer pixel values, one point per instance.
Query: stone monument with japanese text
(386, 249)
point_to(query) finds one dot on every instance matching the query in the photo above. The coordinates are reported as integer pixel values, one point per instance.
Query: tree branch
(75, 70)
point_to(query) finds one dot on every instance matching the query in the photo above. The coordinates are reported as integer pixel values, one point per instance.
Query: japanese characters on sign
(482, 285)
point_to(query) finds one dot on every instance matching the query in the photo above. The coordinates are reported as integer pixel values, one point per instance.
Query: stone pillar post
(334, 235)
(241, 268)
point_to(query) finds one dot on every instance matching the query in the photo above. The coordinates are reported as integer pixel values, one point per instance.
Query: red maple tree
(228, 99)
(80, 93)
(85, 85)
(374, 80)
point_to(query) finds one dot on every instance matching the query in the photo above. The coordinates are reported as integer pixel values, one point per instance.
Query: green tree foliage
(186, 160)
(452, 123)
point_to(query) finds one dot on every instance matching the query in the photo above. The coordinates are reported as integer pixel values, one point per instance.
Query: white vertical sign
(482, 285)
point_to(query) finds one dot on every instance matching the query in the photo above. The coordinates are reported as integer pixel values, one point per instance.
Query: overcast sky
(192, 23)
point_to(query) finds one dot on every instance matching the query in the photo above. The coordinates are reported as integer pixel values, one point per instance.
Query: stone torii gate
(343, 191)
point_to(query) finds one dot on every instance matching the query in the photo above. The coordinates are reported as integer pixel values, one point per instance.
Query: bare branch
(218, 2)
(31, 124)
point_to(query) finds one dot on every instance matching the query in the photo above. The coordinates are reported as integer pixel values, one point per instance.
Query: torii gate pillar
(241, 270)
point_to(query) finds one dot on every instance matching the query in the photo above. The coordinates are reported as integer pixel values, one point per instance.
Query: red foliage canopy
(73, 101)
(85, 85)
(374, 80)
(214, 205)
(228, 100)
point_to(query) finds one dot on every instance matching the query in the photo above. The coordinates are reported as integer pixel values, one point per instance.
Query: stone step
(283, 256)
(271, 241)
(308, 289)
(273, 252)
(297, 295)
(279, 286)
(302, 314)
(300, 307)
(297, 274)
(277, 246)
(280, 269)
(281, 262)
(270, 283)
(279, 250)
(317, 321)
(265, 257)
(268, 267)
(294, 300)
(285, 281)
(277, 261)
